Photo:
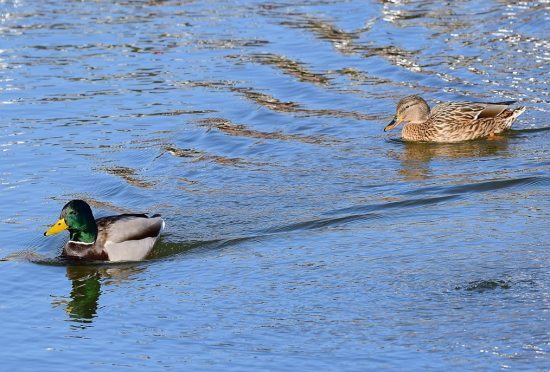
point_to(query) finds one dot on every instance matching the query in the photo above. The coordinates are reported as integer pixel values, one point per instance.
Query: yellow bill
(57, 227)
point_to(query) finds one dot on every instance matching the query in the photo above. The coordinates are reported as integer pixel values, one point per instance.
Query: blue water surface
(299, 235)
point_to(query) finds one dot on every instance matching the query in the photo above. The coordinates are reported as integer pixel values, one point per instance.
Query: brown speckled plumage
(452, 121)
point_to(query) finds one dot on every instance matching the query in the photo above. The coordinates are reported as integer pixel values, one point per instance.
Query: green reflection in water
(86, 289)
(86, 286)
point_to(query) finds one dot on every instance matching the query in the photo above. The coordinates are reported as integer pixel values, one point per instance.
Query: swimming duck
(125, 237)
(452, 121)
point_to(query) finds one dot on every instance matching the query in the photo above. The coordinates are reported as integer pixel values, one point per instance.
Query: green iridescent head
(77, 217)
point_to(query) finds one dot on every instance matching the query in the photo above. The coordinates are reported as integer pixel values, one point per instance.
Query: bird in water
(125, 237)
(452, 121)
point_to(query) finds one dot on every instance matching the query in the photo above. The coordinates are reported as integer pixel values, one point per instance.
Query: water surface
(299, 234)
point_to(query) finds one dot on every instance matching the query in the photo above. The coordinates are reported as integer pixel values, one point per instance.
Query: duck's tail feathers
(512, 116)
(518, 111)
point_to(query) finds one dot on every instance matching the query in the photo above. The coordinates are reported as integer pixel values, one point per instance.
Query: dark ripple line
(393, 205)
(482, 186)
(529, 130)
(323, 222)
(356, 213)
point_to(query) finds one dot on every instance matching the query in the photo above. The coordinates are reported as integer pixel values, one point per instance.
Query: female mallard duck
(126, 237)
(452, 121)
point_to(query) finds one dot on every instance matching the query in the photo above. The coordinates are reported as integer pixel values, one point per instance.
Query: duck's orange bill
(57, 227)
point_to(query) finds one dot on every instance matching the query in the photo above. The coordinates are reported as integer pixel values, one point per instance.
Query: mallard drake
(452, 121)
(125, 237)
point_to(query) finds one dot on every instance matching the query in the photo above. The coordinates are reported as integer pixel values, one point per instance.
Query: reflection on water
(426, 151)
(343, 41)
(85, 292)
(416, 156)
(198, 155)
(298, 234)
(290, 67)
(86, 282)
(242, 130)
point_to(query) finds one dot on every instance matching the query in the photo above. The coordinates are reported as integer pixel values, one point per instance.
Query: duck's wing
(461, 121)
(128, 237)
(492, 110)
(126, 227)
(468, 111)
